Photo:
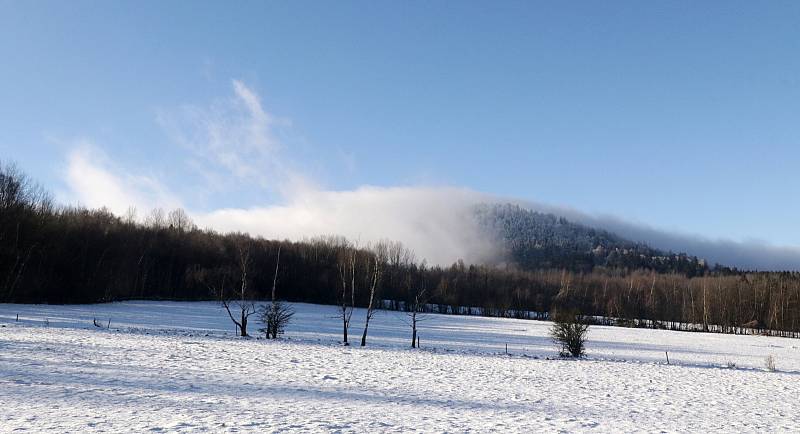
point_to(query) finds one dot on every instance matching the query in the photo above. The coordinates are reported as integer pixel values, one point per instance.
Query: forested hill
(57, 254)
(535, 240)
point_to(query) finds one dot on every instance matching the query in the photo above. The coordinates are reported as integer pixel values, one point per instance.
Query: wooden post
(17, 317)
(506, 349)
(417, 341)
(665, 352)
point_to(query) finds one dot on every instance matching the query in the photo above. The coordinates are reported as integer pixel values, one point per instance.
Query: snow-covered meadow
(174, 366)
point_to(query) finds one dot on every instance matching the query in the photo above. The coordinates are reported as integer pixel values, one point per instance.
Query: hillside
(533, 240)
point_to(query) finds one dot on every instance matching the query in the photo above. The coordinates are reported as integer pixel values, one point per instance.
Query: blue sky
(679, 115)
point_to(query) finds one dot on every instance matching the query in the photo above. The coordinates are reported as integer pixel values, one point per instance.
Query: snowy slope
(169, 366)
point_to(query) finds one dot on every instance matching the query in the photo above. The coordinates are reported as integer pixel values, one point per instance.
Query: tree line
(59, 254)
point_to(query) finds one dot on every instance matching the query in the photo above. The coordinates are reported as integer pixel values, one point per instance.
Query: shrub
(769, 363)
(570, 333)
(275, 316)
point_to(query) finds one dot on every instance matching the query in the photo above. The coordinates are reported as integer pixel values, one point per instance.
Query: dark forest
(57, 254)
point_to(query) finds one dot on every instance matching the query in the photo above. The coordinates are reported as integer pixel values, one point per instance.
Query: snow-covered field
(171, 366)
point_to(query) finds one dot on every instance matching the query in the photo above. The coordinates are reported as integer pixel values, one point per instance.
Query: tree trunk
(243, 327)
(344, 327)
(414, 330)
(375, 275)
(272, 329)
(275, 277)
(364, 336)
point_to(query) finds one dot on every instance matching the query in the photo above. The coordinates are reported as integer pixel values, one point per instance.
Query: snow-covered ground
(172, 366)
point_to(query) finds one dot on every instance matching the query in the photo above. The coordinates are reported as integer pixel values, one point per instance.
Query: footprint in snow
(329, 378)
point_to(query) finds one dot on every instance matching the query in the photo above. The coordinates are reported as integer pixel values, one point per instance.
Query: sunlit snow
(177, 366)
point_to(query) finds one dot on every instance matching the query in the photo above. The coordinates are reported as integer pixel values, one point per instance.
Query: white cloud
(435, 222)
(95, 181)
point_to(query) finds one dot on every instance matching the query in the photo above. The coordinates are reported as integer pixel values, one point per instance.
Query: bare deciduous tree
(378, 260)
(276, 315)
(155, 219)
(419, 296)
(241, 300)
(346, 265)
(179, 220)
(130, 215)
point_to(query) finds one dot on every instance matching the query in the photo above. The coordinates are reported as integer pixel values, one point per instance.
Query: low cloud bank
(437, 223)
(235, 138)
(747, 255)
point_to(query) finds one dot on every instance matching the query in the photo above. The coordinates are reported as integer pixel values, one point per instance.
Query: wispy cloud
(235, 137)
